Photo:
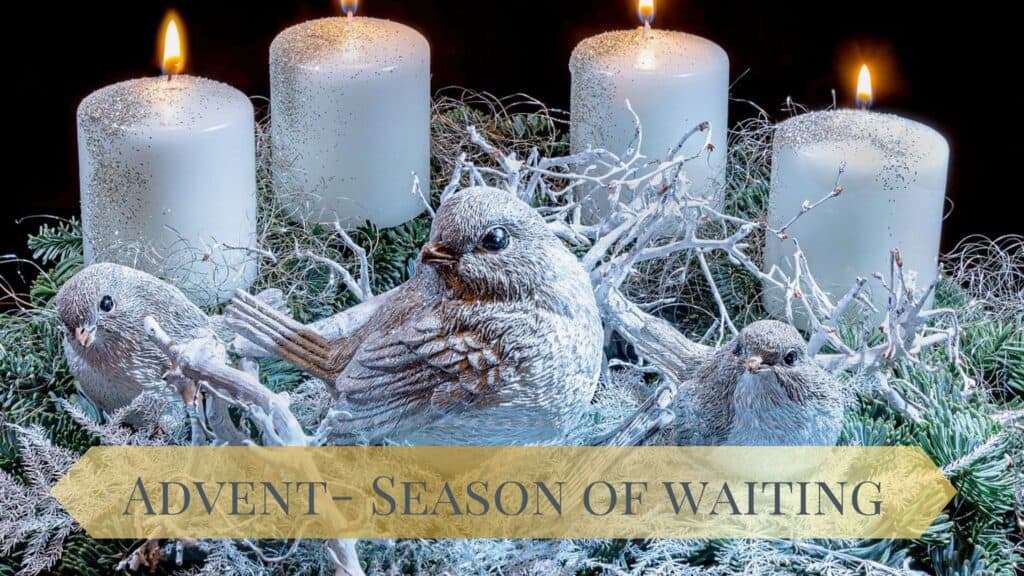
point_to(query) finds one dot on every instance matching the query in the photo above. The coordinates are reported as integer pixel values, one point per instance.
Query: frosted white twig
(723, 311)
(204, 362)
(363, 291)
(417, 189)
(806, 207)
(360, 288)
(267, 254)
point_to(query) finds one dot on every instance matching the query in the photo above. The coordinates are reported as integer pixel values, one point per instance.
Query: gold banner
(514, 492)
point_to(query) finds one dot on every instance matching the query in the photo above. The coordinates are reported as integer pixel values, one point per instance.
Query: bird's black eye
(738, 350)
(495, 239)
(106, 303)
(790, 357)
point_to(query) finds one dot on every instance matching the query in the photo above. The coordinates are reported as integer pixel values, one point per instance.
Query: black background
(938, 62)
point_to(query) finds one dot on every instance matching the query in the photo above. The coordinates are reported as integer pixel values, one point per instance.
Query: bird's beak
(85, 335)
(753, 364)
(437, 255)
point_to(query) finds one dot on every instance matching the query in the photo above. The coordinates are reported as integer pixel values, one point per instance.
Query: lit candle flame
(864, 92)
(349, 7)
(173, 59)
(645, 10)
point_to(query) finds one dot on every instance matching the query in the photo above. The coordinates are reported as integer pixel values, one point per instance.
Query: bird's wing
(418, 372)
(279, 334)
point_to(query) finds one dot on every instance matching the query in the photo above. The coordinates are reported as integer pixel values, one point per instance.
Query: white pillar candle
(893, 192)
(168, 181)
(350, 120)
(673, 80)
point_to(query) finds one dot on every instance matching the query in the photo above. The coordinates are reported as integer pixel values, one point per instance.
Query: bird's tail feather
(276, 332)
(271, 297)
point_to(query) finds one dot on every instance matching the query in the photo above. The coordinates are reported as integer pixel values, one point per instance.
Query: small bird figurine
(762, 389)
(102, 308)
(496, 339)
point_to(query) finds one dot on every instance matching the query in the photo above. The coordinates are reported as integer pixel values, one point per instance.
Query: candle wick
(647, 28)
(349, 15)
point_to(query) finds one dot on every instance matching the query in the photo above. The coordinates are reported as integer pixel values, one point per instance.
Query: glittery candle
(168, 182)
(350, 120)
(673, 80)
(893, 192)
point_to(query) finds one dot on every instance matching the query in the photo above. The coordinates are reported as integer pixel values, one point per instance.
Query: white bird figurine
(496, 339)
